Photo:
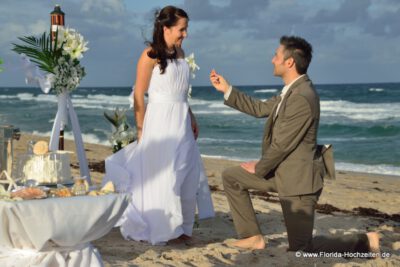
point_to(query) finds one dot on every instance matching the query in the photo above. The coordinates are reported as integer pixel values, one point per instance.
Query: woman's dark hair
(168, 17)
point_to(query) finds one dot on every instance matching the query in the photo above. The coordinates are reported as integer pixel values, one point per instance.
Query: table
(57, 231)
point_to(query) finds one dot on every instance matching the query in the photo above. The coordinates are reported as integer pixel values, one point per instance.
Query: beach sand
(353, 203)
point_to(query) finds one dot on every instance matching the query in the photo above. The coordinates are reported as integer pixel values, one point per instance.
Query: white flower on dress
(193, 67)
(192, 64)
(123, 134)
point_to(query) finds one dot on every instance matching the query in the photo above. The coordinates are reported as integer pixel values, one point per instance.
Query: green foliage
(1, 62)
(42, 51)
(123, 134)
(117, 118)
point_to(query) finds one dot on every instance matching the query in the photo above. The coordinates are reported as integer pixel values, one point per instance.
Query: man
(288, 163)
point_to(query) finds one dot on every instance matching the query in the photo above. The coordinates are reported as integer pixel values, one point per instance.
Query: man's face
(279, 62)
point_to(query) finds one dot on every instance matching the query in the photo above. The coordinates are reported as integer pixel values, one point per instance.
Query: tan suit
(289, 141)
(288, 165)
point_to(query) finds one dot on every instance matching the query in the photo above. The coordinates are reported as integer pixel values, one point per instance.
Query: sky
(354, 41)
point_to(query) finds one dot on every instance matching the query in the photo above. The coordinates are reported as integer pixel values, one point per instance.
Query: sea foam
(260, 91)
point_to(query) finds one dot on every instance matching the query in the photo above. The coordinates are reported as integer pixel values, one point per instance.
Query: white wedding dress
(164, 172)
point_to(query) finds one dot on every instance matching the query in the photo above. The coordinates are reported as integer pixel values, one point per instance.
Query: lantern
(7, 134)
(57, 20)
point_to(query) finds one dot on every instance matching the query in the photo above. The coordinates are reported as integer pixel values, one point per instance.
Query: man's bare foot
(373, 239)
(252, 243)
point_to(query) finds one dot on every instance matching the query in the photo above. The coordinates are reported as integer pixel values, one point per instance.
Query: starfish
(6, 179)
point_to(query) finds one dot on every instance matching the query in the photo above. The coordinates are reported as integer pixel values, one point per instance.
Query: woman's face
(174, 35)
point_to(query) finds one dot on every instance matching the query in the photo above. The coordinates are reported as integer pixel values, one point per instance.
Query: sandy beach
(353, 203)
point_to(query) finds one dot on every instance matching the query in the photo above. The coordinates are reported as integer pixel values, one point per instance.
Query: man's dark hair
(299, 49)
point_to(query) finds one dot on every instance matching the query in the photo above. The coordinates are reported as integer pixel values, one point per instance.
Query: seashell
(40, 148)
(108, 187)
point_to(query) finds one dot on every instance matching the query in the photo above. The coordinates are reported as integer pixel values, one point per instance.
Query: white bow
(34, 76)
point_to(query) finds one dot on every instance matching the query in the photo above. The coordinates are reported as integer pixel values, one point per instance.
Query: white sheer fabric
(164, 172)
(57, 231)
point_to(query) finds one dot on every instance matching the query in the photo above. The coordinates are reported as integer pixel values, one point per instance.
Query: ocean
(362, 121)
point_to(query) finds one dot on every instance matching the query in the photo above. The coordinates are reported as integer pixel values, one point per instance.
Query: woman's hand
(195, 127)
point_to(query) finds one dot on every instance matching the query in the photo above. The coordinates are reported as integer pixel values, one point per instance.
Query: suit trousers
(298, 214)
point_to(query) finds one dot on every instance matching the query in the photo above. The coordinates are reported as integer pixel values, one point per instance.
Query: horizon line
(275, 85)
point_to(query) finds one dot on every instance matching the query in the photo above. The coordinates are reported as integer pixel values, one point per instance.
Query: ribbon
(131, 102)
(34, 76)
(65, 109)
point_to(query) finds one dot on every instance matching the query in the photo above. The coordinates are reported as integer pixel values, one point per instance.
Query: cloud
(114, 37)
(386, 24)
(235, 10)
(114, 7)
(350, 37)
(349, 11)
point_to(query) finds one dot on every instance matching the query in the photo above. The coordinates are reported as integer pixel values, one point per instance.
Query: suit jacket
(289, 141)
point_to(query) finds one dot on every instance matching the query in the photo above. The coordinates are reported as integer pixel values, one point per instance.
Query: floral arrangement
(193, 68)
(123, 133)
(58, 58)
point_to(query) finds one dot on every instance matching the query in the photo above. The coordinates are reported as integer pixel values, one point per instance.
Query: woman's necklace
(170, 51)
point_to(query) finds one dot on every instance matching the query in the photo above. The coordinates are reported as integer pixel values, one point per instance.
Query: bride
(163, 170)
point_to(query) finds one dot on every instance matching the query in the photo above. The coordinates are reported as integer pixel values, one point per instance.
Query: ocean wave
(114, 99)
(8, 97)
(260, 91)
(87, 138)
(218, 105)
(25, 96)
(195, 102)
(376, 89)
(213, 112)
(342, 166)
(100, 101)
(352, 139)
(360, 111)
(229, 141)
(331, 111)
(376, 169)
(228, 158)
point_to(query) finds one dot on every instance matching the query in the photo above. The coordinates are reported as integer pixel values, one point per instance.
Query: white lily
(193, 67)
(74, 44)
(192, 64)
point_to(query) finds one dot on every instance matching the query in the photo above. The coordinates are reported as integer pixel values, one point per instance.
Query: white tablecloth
(57, 231)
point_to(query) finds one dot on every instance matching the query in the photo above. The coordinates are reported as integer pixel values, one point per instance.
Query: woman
(163, 169)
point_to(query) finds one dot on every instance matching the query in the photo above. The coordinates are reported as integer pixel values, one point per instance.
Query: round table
(57, 231)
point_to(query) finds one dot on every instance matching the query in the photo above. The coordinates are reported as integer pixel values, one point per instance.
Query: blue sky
(354, 41)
